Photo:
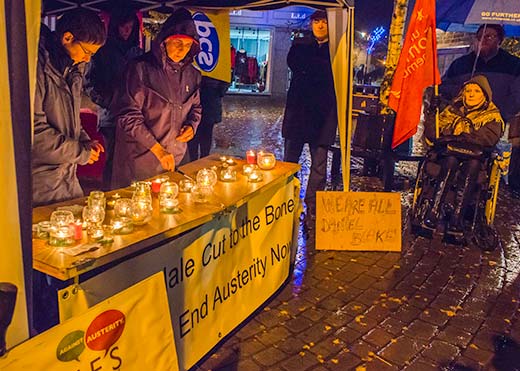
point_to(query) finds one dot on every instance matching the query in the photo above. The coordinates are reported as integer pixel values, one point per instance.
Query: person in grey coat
(60, 143)
(310, 112)
(159, 108)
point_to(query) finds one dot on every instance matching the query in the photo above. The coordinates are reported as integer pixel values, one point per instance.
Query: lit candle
(251, 157)
(248, 168)
(77, 227)
(95, 232)
(228, 175)
(255, 176)
(185, 185)
(122, 225)
(266, 160)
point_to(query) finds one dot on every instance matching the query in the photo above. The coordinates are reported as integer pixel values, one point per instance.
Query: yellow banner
(214, 58)
(366, 221)
(11, 263)
(129, 331)
(217, 274)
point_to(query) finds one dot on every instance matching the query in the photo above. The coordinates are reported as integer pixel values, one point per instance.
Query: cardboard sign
(359, 221)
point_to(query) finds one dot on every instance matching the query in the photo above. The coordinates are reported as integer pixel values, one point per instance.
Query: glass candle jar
(266, 160)
(93, 214)
(43, 230)
(123, 207)
(168, 197)
(251, 157)
(142, 210)
(185, 185)
(255, 176)
(156, 183)
(248, 168)
(201, 193)
(228, 175)
(95, 232)
(142, 189)
(61, 233)
(97, 198)
(122, 225)
(206, 177)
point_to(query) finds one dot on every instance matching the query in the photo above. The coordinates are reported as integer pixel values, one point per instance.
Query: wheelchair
(479, 215)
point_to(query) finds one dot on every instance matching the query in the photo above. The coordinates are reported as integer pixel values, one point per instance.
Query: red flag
(416, 70)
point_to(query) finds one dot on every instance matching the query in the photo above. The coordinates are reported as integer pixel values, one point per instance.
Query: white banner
(217, 274)
(129, 331)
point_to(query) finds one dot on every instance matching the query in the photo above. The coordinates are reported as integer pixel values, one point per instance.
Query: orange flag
(416, 70)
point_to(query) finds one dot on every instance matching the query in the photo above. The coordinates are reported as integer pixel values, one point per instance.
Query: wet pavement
(433, 306)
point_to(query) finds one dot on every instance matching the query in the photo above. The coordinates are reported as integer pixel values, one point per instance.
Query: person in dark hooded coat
(106, 72)
(310, 112)
(60, 143)
(159, 109)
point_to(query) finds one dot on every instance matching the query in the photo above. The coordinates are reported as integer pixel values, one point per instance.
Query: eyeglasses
(487, 37)
(86, 51)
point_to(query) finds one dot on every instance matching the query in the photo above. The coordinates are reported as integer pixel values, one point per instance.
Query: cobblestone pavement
(433, 306)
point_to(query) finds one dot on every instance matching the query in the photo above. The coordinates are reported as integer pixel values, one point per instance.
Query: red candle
(156, 185)
(77, 227)
(251, 157)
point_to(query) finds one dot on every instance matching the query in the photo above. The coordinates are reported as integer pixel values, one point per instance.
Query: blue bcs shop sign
(207, 58)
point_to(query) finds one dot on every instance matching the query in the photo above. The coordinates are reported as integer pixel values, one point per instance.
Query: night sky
(370, 14)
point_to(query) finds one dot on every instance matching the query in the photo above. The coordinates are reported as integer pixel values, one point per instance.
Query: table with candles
(77, 236)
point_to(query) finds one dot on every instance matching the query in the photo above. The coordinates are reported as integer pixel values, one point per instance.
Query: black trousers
(201, 141)
(318, 174)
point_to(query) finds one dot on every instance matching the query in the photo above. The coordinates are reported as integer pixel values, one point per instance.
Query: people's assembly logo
(207, 58)
(102, 333)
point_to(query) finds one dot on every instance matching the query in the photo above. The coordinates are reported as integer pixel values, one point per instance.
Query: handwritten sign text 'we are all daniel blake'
(359, 221)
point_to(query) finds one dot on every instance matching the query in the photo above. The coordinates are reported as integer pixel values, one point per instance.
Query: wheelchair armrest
(450, 146)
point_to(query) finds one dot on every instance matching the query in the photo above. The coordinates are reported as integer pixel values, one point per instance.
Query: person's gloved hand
(165, 158)
(435, 103)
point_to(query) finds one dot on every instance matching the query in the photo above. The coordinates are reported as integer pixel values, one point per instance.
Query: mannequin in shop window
(310, 112)
(241, 66)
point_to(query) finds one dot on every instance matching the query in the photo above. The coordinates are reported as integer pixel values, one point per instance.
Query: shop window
(250, 52)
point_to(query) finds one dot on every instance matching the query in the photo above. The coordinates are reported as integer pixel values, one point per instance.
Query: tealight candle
(228, 175)
(248, 168)
(60, 232)
(123, 207)
(122, 225)
(255, 176)
(185, 185)
(95, 232)
(156, 183)
(167, 197)
(266, 160)
(43, 230)
(251, 157)
(206, 177)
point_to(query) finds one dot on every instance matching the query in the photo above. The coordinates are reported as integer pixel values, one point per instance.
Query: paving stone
(328, 347)
(251, 347)
(402, 350)
(290, 345)
(485, 339)
(441, 352)
(331, 304)
(269, 356)
(483, 357)
(273, 335)
(467, 322)
(343, 361)
(362, 324)
(364, 282)
(421, 330)
(347, 334)
(393, 325)
(249, 365)
(434, 316)
(379, 364)
(249, 330)
(362, 349)
(298, 324)
(300, 361)
(421, 364)
(314, 314)
(378, 337)
(455, 336)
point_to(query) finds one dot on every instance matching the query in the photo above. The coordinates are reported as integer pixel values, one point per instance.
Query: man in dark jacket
(310, 112)
(503, 72)
(211, 93)
(60, 143)
(106, 73)
(159, 108)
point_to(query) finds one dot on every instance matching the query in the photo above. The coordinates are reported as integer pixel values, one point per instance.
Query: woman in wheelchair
(469, 129)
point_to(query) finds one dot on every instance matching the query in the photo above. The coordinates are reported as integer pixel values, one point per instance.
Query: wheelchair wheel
(491, 202)
(485, 237)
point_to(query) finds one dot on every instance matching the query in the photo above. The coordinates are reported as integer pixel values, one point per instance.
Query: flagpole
(436, 91)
